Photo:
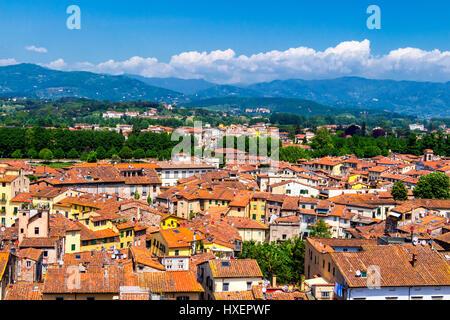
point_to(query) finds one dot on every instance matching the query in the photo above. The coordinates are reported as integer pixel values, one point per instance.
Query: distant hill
(29, 80)
(186, 86)
(222, 91)
(424, 99)
(297, 106)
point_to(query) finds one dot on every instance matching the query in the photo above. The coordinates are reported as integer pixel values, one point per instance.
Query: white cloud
(58, 64)
(7, 62)
(36, 49)
(350, 58)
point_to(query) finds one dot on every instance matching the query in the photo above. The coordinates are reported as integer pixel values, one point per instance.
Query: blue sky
(117, 31)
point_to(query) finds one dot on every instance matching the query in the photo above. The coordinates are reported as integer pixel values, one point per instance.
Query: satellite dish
(124, 256)
(113, 256)
(3, 229)
(358, 273)
(424, 242)
(264, 289)
(415, 241)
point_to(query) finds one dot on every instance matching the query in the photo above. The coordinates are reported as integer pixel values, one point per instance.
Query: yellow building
(173, 242)
(171, 221)
(258, 206)
(12, 182)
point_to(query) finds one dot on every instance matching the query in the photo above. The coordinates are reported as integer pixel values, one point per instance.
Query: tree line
(88, 145)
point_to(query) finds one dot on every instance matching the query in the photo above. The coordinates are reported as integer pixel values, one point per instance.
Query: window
(182, 298)
(325, 295)
(249, 285)
(59, 298)
(36, 230)
(45, 254)
(391, 298)
(416, 298)
(90, 298)
(226, 286)
(437, 298)
(28, 264)
(73, 247)
(177, 252)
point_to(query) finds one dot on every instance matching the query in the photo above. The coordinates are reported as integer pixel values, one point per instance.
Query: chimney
(414, 260)
(274, 281)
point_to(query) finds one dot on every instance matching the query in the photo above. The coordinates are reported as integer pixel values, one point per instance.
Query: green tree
(322, 139)
(111, 153)
(151, 154)
(17, 154)
(399, 191)
(84, 156)
(59, 153)
(32, 153)
(126, 153)
(320, 230)
(92, 157)
(433, 186)
(46, 154)
(139, 153)
(72, 154)
(101, 153)
(285, 259)
(149, 200)
(137, 196)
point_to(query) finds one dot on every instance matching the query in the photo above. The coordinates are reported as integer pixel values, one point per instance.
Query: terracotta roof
(245, 223)
(234, 295)
(179, 237)
(22, 197)
(24, 291)
(169, 281)
(97, 258)
(49, 242)
(195, 260)
(8, 178)
(143, 256)
(47, 192)
(98, 280)
(395, 265)
(247, 268)
(327, 244)
(293, 219)
(30, 253)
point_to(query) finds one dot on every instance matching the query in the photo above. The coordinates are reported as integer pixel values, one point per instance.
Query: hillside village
(176, 229)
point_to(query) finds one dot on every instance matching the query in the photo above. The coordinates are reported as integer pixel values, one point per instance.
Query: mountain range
(423, 99)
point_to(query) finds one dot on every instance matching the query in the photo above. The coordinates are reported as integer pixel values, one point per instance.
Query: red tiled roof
(247, 268)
